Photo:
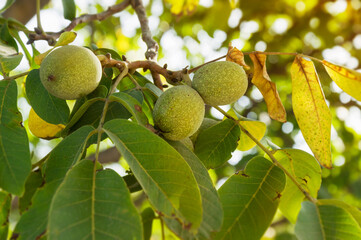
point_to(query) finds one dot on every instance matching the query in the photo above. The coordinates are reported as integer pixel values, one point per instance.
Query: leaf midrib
(250, 201)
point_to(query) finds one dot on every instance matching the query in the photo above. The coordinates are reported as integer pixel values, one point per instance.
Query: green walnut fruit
(178, 112)
(220, 83)
(207, 123)
(70, 72)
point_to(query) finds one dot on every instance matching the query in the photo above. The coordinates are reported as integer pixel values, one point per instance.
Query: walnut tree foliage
(170, 189)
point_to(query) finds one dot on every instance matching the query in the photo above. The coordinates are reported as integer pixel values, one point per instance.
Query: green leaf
(132, 105)
(256, 128)
(48, 107)
(107, 78)
(153, 89)
(104, 51)
(158, 167)
(100, 208)
(147, 219)
(6, 50)
(8, 63)
(250, 200)
(69, 151)
(303, 167)
(6, 38)
(93, 110)
(214, 145)
(7, 5)
(66, 37)
(127, 83)
(5, 204)
(69, 9)
(212, 209)
(80, 108)
(15, 163)
(33, 182)
(355, 212)
(326, 221)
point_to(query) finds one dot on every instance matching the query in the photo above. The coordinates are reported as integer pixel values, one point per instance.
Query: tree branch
(152, 45)
(52, 36)
(172, 77)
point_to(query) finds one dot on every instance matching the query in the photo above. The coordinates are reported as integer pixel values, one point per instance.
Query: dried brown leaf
(236, 56)
(268, 88)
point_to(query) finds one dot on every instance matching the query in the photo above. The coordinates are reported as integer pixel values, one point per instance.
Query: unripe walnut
(70, 72)
(220, 83)
(178, 112)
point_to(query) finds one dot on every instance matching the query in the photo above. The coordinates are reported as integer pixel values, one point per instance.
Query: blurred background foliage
(191, 32)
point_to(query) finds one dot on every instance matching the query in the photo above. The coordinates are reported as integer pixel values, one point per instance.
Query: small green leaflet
(33, 182)
(147, 220)
(250, 200)
(15, 163)
(8, 63)
(5, 203)
(69, 9)
(88, 208)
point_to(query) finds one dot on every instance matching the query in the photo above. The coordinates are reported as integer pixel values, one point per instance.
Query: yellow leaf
(236, 56)
(348, 80)
(39, 58)
(311, 111)
(183, 7)
(65, 38)
(43, 129)
(256, 128)
(268, 88)
(233, 3)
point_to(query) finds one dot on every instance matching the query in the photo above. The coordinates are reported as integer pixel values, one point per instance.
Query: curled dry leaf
(276, 110)
(348, 80)
(311, 111)
(236, 56)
